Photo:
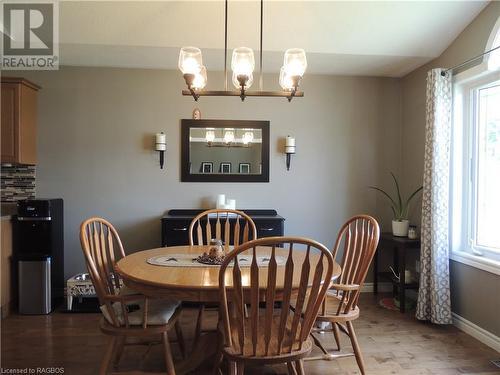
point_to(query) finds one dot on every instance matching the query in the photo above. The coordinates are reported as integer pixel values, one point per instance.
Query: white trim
(491, 40)
(382, 287)
(477, 332)
(476, 261)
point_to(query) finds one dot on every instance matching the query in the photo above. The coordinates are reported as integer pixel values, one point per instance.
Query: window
(475, 206)
(486, 170)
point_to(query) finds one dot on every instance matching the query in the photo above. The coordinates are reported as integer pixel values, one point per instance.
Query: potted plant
(399, 208)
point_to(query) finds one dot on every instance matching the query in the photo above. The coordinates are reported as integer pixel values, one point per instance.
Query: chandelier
(242, 66)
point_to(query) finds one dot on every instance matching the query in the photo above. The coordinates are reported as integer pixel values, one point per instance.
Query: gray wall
(480, 305)
(95, 143)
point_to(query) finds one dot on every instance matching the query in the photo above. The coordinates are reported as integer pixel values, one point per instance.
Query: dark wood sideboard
(175, 225)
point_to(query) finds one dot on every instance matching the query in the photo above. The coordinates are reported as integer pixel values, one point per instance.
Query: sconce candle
(289, 150)
(161, 146)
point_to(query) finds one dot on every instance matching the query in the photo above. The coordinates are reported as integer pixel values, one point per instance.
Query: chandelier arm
(225, 45)
(261, 79)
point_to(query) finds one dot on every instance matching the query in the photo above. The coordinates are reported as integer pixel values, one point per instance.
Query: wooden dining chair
(358, 238)
(272, 334)
(125, 312)
(233, 227)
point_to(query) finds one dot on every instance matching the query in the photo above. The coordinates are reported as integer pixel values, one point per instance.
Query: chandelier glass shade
(228, 136)
(295, 62)
(190, 61)
(210, 136)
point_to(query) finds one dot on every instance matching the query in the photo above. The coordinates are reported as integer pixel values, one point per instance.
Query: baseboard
(382, 287)
(477, 332)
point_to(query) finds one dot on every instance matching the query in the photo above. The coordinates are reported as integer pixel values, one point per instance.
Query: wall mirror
(224, 151)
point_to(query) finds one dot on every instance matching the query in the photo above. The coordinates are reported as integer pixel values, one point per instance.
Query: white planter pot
(400, 228)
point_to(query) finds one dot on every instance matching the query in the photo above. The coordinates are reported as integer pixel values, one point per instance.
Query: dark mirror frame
(188, 124)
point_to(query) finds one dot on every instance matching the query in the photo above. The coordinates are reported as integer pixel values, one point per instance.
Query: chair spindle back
(231, 226)
(358, 238)
(102, 248)
(271, 331)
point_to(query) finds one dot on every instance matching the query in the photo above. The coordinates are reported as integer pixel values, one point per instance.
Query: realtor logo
(30, 35)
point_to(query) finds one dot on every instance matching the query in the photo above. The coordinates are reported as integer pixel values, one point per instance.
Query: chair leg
(335, 330)
(232, 368)
(240, 368)
(355, 346)
(168, 355)
(300, 367)
(108, 355)
(180, 338)
(291, 369)
(118, 351)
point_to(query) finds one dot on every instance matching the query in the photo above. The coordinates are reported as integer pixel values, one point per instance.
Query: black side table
(400, 246)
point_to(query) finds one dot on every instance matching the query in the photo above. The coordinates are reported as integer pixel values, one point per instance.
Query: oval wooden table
(197, 284)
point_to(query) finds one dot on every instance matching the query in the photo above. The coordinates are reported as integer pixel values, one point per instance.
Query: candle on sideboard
(221, 201)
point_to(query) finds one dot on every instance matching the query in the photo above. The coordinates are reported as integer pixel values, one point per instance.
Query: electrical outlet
(417, 266)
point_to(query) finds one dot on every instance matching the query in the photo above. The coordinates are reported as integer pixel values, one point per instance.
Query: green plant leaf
(407, 204)
(400, 206)
(393, 204)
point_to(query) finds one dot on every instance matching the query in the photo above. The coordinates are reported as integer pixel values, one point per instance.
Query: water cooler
(39, 254)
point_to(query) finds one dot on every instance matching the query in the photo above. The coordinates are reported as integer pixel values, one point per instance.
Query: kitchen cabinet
(7, 294)
(19, 121)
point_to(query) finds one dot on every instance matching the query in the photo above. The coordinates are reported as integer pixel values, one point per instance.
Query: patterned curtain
(434, 292)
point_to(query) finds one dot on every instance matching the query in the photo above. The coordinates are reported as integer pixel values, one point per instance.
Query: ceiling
(349, 38)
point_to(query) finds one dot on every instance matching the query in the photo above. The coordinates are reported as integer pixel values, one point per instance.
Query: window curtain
(434, 293)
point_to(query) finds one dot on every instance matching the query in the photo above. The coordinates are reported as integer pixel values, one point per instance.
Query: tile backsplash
(18, 182)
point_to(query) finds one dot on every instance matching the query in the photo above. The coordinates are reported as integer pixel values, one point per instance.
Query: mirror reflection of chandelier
(229, 137)
(242, 65)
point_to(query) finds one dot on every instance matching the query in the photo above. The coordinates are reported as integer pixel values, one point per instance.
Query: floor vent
(496, 362)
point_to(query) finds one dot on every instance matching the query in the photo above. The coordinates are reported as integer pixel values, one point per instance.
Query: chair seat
(273, 352)
(159, 312)
(332, 306)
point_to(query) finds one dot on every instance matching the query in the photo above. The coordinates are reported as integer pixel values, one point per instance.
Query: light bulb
(247, 137)
(285, 81)
(210, 136)
(190, 61)
(295, 62)
(237, 84)
(200, 79)
(228, 136)
(243, 61)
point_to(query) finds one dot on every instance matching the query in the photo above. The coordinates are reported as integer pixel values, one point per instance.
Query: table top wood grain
(199, 284)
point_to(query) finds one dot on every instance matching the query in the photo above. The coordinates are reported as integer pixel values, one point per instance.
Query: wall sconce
(161, 146)
(289, 150)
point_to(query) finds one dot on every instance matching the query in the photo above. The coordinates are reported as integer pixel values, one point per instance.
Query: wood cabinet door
(10, 122)
(27, 126)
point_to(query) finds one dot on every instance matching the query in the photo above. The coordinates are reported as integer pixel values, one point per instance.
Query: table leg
(375, 273)
(402, 281)
(69, 302)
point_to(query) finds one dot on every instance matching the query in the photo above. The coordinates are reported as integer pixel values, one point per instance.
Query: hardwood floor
(392, 343)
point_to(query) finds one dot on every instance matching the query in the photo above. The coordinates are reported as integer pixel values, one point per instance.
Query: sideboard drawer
(175, 232)
(269, 228)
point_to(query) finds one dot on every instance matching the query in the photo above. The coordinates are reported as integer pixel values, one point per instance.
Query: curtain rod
(469, 61)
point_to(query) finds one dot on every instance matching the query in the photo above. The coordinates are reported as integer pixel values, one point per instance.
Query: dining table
(174, 273)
